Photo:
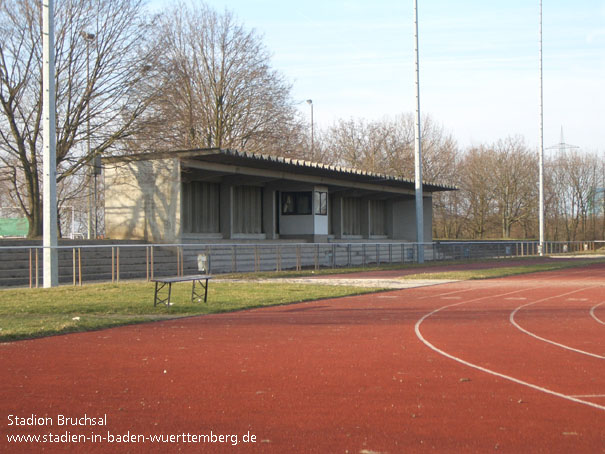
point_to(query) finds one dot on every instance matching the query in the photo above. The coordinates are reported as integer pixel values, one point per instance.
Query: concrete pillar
(336, 215)
(269, 221)
(365, 218)
(427, 204)
(226, 211)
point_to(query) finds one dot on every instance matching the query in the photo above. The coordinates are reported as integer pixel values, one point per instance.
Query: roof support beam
(274, 174)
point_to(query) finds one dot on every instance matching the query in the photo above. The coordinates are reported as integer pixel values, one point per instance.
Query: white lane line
(489, 371)
(543, 339)
(588, 396)
(593, 315)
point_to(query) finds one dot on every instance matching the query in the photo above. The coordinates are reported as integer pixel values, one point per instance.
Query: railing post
(333, 256)
(363, 253)
(151, 264)
(349, 255)
(37, 269)
(80, 267)
(30, 268)
(298, 258)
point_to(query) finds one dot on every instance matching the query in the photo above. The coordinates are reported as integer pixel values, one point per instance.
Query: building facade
(214, 195)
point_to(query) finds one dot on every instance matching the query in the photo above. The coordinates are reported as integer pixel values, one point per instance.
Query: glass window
(296, 203)
(321, 202)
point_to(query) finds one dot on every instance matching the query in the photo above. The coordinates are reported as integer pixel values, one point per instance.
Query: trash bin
(202, 263)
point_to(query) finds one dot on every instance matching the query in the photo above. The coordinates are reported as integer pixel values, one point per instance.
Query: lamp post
(310, 102)
(49, 173)
(418, 147)
(541, 154)
(92, 192)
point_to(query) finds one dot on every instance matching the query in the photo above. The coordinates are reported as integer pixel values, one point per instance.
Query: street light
(89, 38)
(541, 152)
(418, 146)
(310, 102)
(49, 159)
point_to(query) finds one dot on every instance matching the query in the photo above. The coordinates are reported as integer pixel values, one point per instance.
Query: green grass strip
(30, 313)
(492, 273)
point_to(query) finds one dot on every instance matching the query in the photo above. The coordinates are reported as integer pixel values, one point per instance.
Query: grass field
(28, 313)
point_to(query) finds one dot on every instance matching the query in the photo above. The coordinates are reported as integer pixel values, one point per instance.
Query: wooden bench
(161, 282)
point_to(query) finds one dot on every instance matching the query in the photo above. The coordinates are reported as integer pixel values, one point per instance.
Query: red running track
(510, 365)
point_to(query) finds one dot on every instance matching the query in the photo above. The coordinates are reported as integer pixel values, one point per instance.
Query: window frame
(320, 202)
(296, 203)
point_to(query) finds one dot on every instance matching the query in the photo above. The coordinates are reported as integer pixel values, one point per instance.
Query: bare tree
(100, 58)
(387, 146)
(513, 179)
(218, 88)
(477, 192)
(575, 182)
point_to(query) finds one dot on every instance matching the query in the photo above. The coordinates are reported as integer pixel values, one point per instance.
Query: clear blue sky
(479, 62)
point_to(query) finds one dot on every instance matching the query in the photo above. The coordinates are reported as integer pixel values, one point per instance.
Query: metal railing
(78, 263)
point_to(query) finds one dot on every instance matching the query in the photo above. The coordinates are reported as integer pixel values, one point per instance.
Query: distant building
(214, 195)
(13, 227)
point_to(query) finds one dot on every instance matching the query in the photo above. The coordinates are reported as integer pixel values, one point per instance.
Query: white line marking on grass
(489, 371)
(593, 315)
(543, 339)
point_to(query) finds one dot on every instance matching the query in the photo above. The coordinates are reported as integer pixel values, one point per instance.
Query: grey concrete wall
(402, 220)
(269, 221)
(143, 200)
(226, 211)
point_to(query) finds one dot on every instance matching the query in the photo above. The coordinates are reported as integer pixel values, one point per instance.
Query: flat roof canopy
(261, 168)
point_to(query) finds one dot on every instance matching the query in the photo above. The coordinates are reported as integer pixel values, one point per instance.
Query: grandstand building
(215, 195)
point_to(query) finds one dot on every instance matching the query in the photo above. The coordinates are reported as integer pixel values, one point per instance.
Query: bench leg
(157, 299)
(195, 295)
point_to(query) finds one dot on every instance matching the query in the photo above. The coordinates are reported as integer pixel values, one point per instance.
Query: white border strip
(489, 371)
(593, 315)
(543, 339)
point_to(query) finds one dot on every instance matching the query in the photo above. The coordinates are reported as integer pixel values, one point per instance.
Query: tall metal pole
(310, 102)
(92, 225)
(418, 148)
(541, 155)
(49, 183)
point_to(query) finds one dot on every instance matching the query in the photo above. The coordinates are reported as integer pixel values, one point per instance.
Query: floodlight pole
(49, 183)
(541, 155)
(310, 102)
(418, 148)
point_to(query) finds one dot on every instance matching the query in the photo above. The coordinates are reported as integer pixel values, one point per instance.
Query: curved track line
(493, 372)
(543, 339)
(593, 315)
